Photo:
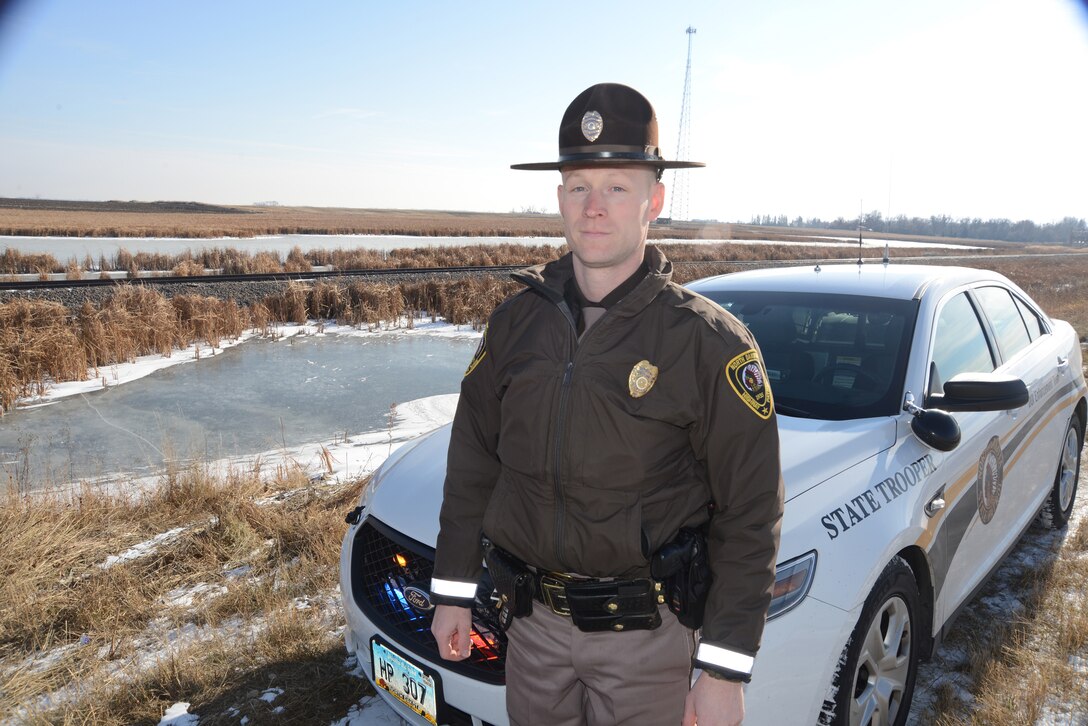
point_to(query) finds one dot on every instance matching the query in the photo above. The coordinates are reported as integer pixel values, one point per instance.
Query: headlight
(791, 583)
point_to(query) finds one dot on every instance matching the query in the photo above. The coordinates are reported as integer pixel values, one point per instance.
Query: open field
(106, 221)
(191, 220)
(245, 565)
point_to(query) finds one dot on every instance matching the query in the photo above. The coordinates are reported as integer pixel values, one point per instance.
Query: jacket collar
(550, 280)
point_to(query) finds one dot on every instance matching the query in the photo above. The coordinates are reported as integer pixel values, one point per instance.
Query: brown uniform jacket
(559, 463)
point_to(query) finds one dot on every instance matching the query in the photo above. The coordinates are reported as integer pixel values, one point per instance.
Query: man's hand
(714, 702)
(451, 627)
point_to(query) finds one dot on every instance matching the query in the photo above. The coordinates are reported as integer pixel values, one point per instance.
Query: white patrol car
(927, 415)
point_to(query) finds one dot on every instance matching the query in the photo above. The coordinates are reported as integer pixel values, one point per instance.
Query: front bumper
(479, 703)
(795, 665)
(466, 700)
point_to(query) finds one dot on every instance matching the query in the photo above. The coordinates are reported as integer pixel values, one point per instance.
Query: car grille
(383, 564)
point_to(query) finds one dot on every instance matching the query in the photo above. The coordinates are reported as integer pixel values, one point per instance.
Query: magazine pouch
(613, 605)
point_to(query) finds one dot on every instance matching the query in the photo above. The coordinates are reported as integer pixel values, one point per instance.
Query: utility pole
(678, 203)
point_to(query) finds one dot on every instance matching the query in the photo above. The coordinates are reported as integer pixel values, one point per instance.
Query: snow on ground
(880, 242)
(143, 549)
(347, 458)
(1000, 601)
(353, 456)
(812, 240)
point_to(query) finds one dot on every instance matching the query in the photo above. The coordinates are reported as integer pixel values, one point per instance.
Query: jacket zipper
(560, 433)
(560, 429)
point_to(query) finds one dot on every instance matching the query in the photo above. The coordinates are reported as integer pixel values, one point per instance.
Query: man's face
(607, 212)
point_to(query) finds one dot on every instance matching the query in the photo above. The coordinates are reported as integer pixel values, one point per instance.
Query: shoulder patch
(481, 351)
(749, 381)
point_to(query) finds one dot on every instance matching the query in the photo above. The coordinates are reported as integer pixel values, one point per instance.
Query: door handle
(935, 504)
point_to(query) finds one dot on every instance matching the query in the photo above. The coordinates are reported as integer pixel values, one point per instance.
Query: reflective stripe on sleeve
(453, 588)
(722, 658)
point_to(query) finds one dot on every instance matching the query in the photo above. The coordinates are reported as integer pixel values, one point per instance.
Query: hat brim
(557, 165)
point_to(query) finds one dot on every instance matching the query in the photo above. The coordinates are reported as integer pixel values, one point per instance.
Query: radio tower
(678, 203)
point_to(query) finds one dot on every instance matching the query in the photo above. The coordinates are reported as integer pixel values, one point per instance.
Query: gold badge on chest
(642, 379)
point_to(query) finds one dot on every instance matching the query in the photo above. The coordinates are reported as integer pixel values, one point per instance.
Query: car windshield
(834, 357)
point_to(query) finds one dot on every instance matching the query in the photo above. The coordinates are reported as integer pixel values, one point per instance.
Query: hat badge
(642, 379)
(592, 125)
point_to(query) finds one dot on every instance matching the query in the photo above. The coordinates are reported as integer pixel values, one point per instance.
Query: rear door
(1028, 351)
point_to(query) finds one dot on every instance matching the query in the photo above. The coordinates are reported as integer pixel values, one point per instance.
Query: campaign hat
(609, 124)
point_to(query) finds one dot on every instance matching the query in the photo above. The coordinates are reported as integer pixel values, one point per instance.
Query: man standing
(606, 410)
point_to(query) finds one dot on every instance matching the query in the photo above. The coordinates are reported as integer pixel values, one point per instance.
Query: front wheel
(1059, 503)
(874, 683)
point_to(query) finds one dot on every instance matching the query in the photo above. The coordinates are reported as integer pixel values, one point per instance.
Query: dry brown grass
(197, 221)
(187, 268)
(253, 221)
(233, 261)
(42, 342)
(110, 628)
(1017, 669)
(1036, 656)
(13, 262)
(37, 343)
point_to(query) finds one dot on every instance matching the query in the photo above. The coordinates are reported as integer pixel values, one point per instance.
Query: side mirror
(936, 429)
(965, 392)
(980, 392)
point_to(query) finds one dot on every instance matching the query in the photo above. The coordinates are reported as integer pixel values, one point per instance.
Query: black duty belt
(601, 604)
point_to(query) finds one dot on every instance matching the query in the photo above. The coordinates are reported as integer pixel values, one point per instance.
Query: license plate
(405, 680)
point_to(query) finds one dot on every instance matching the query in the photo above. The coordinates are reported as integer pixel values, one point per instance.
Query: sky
(969, 108)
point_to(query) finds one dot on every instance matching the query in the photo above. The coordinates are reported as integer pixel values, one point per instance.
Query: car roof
(904, 282)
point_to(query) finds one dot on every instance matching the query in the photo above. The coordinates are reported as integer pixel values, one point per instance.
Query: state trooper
(607, 411)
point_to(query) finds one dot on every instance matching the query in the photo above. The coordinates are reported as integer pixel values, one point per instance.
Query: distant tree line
(1068, 231)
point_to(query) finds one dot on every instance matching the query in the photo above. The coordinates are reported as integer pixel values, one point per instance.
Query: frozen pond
(64, 248)
(259, 396)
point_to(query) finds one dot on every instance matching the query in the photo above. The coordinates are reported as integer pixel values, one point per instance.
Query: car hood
(813, 451)
(408, 493)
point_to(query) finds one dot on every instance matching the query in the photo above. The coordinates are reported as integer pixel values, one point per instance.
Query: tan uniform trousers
(557, 675)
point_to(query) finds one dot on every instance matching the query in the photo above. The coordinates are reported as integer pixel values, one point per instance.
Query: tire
(1059, 503)
(874, 683)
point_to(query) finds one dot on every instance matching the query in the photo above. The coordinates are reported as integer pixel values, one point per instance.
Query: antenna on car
(887, 259)
(861, 216)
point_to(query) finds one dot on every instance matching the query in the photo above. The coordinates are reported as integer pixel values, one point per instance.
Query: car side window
(1012, 334)
(959, 345)
(1036, 326)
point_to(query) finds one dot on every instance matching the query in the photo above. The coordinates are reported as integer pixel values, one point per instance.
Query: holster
(616, 605)
(513, 582)
(682, 565)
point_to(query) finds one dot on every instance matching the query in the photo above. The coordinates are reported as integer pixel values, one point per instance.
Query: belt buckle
(553, 591)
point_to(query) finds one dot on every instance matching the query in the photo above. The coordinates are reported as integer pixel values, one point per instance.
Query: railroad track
(167, 280)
